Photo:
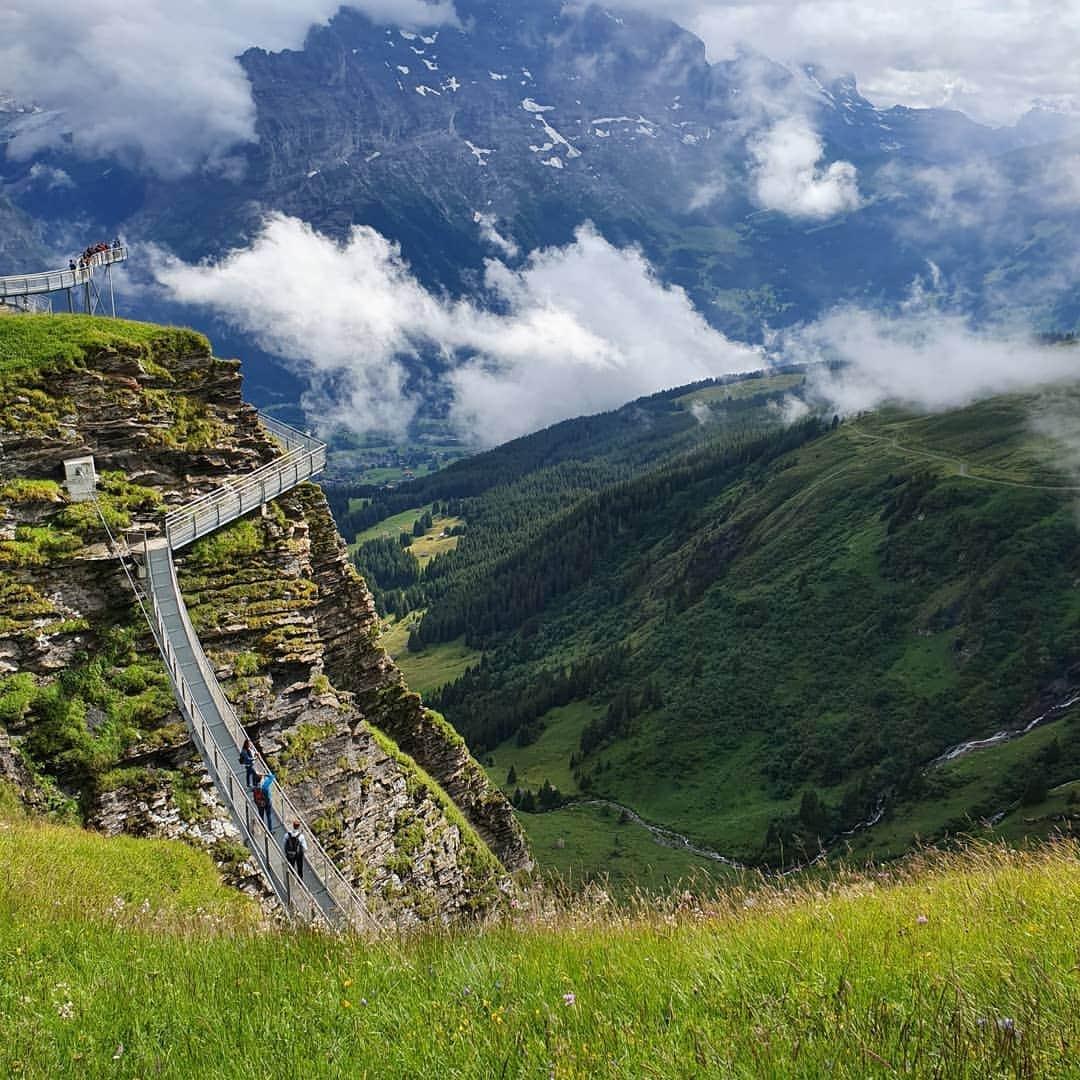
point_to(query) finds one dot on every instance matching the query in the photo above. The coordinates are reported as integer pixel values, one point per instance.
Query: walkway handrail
(57, 280)
(344, 897)
(295, 897)
(305, 457)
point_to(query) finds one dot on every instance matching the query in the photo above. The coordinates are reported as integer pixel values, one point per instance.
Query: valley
(635, 668)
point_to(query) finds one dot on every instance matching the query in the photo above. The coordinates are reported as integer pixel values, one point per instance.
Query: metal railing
(333, 899)
(58, 280)
(304, 458)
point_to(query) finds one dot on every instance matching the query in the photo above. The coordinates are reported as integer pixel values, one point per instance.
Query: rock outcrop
(388, 786)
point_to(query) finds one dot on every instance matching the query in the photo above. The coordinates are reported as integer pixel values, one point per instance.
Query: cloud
(922, 358)
(788, 176)
(993, 59)
(155, 83)
(574, 330)
(50, 178)
(491, 235)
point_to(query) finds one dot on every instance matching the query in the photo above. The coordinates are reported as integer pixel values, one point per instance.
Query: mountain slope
(770, 639)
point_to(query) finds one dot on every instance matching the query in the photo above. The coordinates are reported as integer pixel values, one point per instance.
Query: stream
(964, 748)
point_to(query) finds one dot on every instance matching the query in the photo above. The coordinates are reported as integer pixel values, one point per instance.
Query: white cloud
(788, 175)
(577, 329)
(922, 358)
(490, 234)
(990, 58)
(154, 82)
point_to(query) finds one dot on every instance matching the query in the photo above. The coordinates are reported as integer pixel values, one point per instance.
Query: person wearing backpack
(247, 759)
(261, 795)
(295, 849)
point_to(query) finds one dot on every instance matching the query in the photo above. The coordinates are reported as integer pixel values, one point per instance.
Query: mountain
(89, 724)
(763, 638)
(533, 118)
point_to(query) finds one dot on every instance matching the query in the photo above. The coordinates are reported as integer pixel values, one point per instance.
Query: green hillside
(766, 634)
(125, 958)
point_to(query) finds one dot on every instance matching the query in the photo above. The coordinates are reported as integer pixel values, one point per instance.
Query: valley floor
(127, 959)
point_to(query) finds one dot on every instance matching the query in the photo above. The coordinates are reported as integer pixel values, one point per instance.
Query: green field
(743, 388)
(549, 757)
(124, 958)
(431, 668)
(392, 527)
(584, 843)
(433, 542)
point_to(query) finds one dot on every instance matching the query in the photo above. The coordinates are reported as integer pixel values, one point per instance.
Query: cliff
(387, 785)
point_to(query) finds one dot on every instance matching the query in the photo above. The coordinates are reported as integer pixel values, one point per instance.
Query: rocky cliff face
(283, 616)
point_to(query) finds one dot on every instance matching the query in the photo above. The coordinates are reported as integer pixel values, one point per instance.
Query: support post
(71, 303)
(112, 296)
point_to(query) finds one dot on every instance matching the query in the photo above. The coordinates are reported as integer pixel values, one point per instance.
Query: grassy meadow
(31, 340)
(126, 958)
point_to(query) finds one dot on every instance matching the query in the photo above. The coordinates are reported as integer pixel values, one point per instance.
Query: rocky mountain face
(387, 785)
(533, 118)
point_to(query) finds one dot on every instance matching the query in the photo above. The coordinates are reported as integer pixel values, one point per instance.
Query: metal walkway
(17, 287)
(324, 896)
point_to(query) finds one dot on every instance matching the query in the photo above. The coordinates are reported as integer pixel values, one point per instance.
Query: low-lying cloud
(788, 174)
(156, 83)
(922, 358)
(572, 330)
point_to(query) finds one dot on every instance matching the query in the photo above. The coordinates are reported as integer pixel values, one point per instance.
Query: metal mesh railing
(304, 458)
(333, 899)
(57, 280)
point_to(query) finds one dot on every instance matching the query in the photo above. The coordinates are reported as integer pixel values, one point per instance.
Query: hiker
(295, 848)
(260, 793)
(247, 759)
(71, 264)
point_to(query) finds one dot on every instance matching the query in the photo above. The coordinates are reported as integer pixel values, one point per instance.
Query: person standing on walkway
(296, 849)
(247, 759)
(261, 794)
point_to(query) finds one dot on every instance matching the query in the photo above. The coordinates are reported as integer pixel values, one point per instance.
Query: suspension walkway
(25, 290)
(324, 896)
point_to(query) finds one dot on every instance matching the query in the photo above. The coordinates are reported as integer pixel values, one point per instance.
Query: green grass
(392, 526)
(425, 548)
(742, 388)
(549, 757)
(582, 843)
(33, 340)
(950, 967)
(435, 666)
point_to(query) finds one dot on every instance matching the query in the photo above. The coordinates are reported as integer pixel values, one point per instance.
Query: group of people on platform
(87, 256)
(295, 844)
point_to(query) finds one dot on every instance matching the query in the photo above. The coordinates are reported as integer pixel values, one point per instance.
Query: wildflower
(466, 991)
(66, 1011)
(119, 1052)
(347, 1004)
(568, 998)
(922, 919)
(514, 904)
(363, 1001)
(347, 983)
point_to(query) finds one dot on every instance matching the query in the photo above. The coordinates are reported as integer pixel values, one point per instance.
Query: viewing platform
(19, 290)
